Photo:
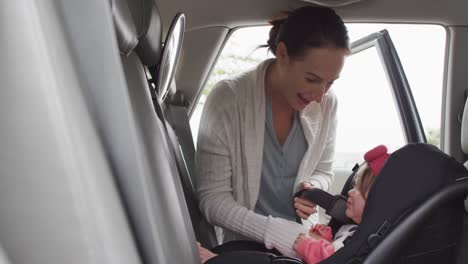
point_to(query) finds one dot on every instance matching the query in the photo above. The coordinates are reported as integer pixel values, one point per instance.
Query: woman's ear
(282, 54)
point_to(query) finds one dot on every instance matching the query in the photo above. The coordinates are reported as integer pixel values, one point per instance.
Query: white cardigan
(229, 158)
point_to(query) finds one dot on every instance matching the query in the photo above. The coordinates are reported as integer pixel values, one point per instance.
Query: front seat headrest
(125, 29)
(147, 20)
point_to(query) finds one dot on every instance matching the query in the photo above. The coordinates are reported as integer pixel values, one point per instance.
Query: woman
(271, 131)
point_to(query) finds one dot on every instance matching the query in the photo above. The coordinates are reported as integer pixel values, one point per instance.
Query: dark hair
(307, 27)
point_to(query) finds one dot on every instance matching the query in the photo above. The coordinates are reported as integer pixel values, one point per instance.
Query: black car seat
(411, 175)
(452, 194)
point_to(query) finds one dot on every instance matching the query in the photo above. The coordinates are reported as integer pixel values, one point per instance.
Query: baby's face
(355, 205)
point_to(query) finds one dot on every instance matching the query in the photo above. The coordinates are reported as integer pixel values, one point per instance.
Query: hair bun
(279, 19)
(307, 27)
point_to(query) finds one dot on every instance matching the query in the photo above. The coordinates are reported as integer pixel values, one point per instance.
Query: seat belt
(157, 104)
(181, 135)
(204, 232)
(178, 118)
(179, 121)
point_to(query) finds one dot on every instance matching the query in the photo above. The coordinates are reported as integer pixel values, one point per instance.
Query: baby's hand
(322, 231)
(300, 238)
(315, 235)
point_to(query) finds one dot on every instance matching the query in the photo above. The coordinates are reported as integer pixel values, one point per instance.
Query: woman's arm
(322, 176)
(323, 173)
(215, 191)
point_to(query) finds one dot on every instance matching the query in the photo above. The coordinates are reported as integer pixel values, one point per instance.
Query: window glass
(367, 115)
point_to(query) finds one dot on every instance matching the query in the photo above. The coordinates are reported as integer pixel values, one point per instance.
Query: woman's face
(308, 78)
(355, 205)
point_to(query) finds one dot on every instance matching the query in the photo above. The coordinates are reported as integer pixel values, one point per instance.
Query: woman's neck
(283, 113)
(274, 89)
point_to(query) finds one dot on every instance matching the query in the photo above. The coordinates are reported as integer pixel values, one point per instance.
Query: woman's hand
(204, 253)
(304, 208)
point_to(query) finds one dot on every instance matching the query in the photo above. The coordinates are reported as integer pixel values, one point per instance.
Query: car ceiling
(210, 21)
(208, 13)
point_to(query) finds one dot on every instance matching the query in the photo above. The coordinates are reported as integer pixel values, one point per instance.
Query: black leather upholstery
(124, 26)
(392, 245)
(149, 30)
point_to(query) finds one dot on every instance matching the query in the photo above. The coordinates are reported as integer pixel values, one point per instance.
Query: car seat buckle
(375, 238)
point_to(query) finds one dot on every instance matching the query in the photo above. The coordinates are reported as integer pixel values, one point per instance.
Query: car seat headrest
(147, 20)
(125, 29)
(464, 130)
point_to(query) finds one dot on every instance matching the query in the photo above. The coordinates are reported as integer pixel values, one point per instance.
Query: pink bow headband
(376, 158)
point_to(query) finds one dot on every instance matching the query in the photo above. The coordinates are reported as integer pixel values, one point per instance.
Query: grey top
(279, 168)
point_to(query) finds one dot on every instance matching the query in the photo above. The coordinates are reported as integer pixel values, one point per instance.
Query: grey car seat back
(154, 197)
(148, 50)
(64, 109)
(3, 257)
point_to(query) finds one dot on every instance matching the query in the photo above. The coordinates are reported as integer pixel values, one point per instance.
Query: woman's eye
(312, 80)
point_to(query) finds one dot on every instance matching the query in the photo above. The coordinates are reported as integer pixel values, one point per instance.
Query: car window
(367, 114)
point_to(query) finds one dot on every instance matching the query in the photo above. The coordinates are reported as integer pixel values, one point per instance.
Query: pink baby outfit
(314, 250)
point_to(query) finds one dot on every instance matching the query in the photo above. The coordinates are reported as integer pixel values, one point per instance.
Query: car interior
(97, 107)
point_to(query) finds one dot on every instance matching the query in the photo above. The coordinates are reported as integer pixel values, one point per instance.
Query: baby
(319, 244)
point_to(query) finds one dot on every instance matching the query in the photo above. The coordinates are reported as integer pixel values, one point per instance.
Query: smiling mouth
(303, 99)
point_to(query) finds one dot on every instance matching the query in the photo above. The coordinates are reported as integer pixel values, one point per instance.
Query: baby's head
(374, 160)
